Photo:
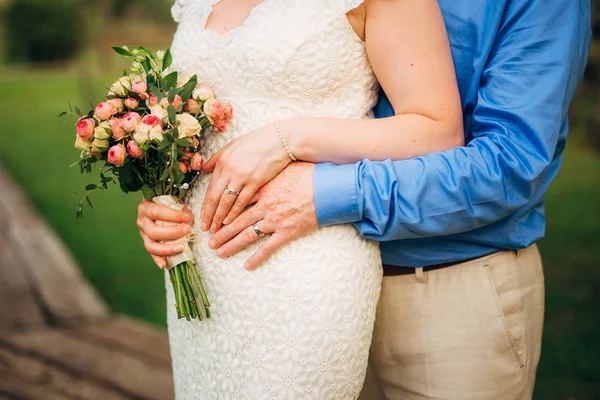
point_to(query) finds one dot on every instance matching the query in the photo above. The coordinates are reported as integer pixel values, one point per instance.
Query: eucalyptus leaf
(167, 60)
(172, 113)
(188, 88)
(121, 51)
(91, 186)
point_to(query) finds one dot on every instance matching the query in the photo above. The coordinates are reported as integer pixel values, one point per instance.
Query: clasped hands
(254, 186)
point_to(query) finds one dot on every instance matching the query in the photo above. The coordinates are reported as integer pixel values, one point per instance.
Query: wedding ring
(257, 230)
(231, 191)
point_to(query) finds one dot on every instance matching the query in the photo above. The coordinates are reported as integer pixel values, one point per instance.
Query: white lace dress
(300, 327)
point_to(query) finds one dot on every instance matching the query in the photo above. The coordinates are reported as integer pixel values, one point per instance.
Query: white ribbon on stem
(186, 255)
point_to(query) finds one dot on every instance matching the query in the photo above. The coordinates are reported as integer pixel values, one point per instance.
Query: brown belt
(392, 270)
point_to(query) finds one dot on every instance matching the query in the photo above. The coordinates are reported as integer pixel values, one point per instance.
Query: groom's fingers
(228, 232)
(265, 251)
(247, 237)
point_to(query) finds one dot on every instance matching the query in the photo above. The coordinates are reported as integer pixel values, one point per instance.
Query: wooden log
(100, 362)
(23, 376)
(52, 273)
(18, 305)
(132, 336)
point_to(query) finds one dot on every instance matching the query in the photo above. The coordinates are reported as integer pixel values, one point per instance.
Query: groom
(461, 310)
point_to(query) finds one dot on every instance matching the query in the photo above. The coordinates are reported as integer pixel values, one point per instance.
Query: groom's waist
(395, 270)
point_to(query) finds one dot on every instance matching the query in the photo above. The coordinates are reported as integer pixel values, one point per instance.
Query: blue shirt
(518, 64)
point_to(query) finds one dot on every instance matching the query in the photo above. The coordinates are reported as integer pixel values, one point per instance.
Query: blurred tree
(41, 30)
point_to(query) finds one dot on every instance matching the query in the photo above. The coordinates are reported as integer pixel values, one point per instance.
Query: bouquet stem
(188, 290)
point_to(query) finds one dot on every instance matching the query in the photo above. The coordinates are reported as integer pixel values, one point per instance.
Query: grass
(37, 151)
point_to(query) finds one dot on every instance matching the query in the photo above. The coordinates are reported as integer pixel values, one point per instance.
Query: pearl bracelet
(284, 142)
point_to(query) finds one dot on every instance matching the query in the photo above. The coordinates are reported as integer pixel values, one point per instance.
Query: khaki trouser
(470, 331)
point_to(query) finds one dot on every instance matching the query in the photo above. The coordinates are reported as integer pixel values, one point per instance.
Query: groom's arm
(527, 86)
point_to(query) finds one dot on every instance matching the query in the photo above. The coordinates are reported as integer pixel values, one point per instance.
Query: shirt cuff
(336, 195)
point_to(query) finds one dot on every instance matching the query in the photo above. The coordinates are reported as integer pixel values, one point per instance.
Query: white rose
(157, 134)
(142, 133)
(99, 145)
(103, 131)
(82, 144)
(183, 78)
(120, 87)
(188, 126)
(159, 112)
(202, 93)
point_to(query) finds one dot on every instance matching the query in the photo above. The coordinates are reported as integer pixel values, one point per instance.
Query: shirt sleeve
(526, 88)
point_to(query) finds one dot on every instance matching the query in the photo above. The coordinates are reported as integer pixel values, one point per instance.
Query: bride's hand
(240, 169)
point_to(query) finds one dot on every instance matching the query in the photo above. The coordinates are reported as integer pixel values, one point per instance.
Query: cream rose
(82, 144)
(142, 133)
(156, 133)
(120, 87)
(188, 126)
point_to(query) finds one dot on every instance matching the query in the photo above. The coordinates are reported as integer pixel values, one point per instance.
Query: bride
(303, 77)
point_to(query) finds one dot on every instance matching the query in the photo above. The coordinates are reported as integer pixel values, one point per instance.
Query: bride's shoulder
(181, 8)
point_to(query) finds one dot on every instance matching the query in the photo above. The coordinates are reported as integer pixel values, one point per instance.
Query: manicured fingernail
(212, 243)
(187, 218)
(178, 249)
(226, 221)
(187, 229)
(220, 252)
(213, 228)
(204, 227)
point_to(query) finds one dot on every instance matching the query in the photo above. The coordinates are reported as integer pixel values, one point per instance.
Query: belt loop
(421, 275)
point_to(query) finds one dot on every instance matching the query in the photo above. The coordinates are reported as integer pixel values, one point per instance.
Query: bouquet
(146, 137)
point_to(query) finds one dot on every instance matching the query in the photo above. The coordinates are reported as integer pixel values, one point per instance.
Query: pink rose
(116, 155)
(118, 132)
(139, 85)
(183, 167)
(134, 149)
(196, 162)
(131, 103)
(130, 121)
(177, 101)
(105, 110)
(218, 113)
(118, 104)
(152, 120)
(191, 106)
(152, 101)
(187, 156)
(195, 141)
(85, 128)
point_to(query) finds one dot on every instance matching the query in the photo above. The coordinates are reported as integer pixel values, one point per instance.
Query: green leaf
(168, 60)
(172, 114)
(170, 81)
(78, 111)
(89, 201)
(148, 192)
(91, 187)
(121, 51)
(188, 88)
(183, 142)
(62, 114)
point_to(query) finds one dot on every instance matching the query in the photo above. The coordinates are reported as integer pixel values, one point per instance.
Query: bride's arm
(408, 49)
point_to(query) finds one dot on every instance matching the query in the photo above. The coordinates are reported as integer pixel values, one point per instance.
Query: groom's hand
(285, 211)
